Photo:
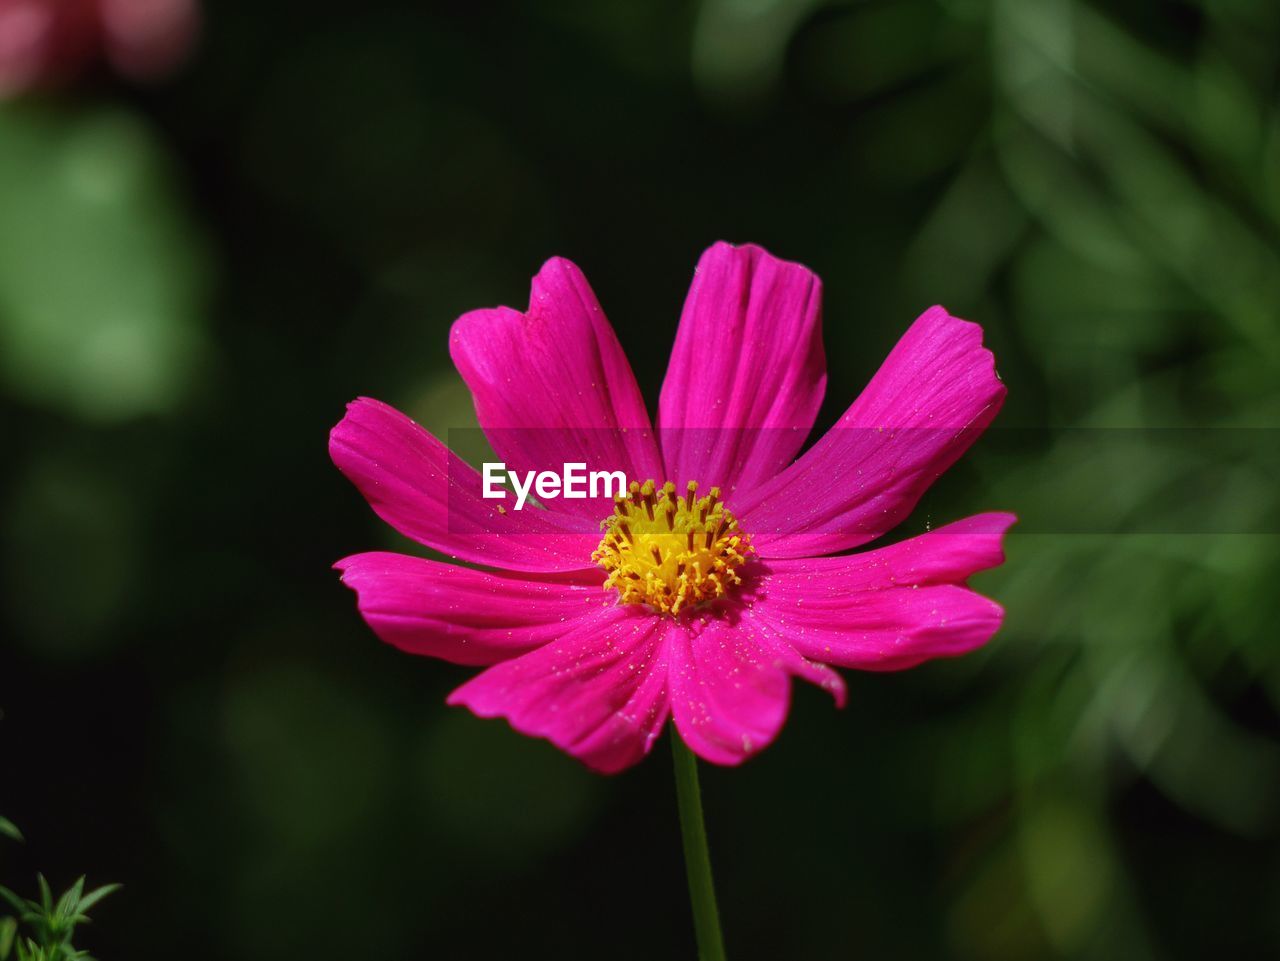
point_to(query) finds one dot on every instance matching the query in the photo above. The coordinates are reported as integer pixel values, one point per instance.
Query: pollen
(671, 552)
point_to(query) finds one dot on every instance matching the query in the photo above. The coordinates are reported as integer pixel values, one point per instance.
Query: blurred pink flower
(696, 603)
(44, 43)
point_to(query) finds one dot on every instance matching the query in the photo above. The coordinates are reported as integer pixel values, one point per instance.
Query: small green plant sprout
(41, 930)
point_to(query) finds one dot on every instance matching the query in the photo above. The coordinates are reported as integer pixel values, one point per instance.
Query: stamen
(647, 493)
(674, 562)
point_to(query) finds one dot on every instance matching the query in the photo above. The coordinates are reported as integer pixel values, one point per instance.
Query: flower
(43, 43)
(598, 620)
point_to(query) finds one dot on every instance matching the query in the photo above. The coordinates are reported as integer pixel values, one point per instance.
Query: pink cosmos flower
(46, 42)
(599, 620)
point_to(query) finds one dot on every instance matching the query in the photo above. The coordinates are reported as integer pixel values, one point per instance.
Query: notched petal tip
(354, 564)
(994, 525)
(597, 691)
(357, 409)
(748, 368)
(838, 689)
(1000, 523)
(556, 267)
(723, 250)
(833, 684)
(552, 279)
(969, 333)
(339, 431)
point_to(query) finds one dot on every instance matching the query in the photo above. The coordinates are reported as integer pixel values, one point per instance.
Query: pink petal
(932, 398)
(426, 492)
(598, 693)
(729, 692)
(146, 38)
(791, 660)
(891, 608)
(747, 371)
(552, 385)
(464, 615)
(43, 43)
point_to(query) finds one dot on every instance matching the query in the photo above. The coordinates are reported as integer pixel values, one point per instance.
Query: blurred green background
(196, 276)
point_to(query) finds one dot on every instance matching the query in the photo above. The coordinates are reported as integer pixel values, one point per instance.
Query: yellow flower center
(671, 552)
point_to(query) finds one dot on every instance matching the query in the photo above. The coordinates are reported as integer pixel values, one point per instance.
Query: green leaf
(8, 931)
(46, 895)
(102, 277)
(67, 904)
(96, 895)
(18, 903)
(10, 830)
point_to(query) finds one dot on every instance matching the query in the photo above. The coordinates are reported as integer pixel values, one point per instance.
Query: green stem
(697, 859)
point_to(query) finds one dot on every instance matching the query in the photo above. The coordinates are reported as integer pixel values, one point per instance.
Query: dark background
(196, 276)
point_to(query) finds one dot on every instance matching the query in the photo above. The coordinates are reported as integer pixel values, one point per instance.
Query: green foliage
(41, 929)
(100, 275)
(1102, 195)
